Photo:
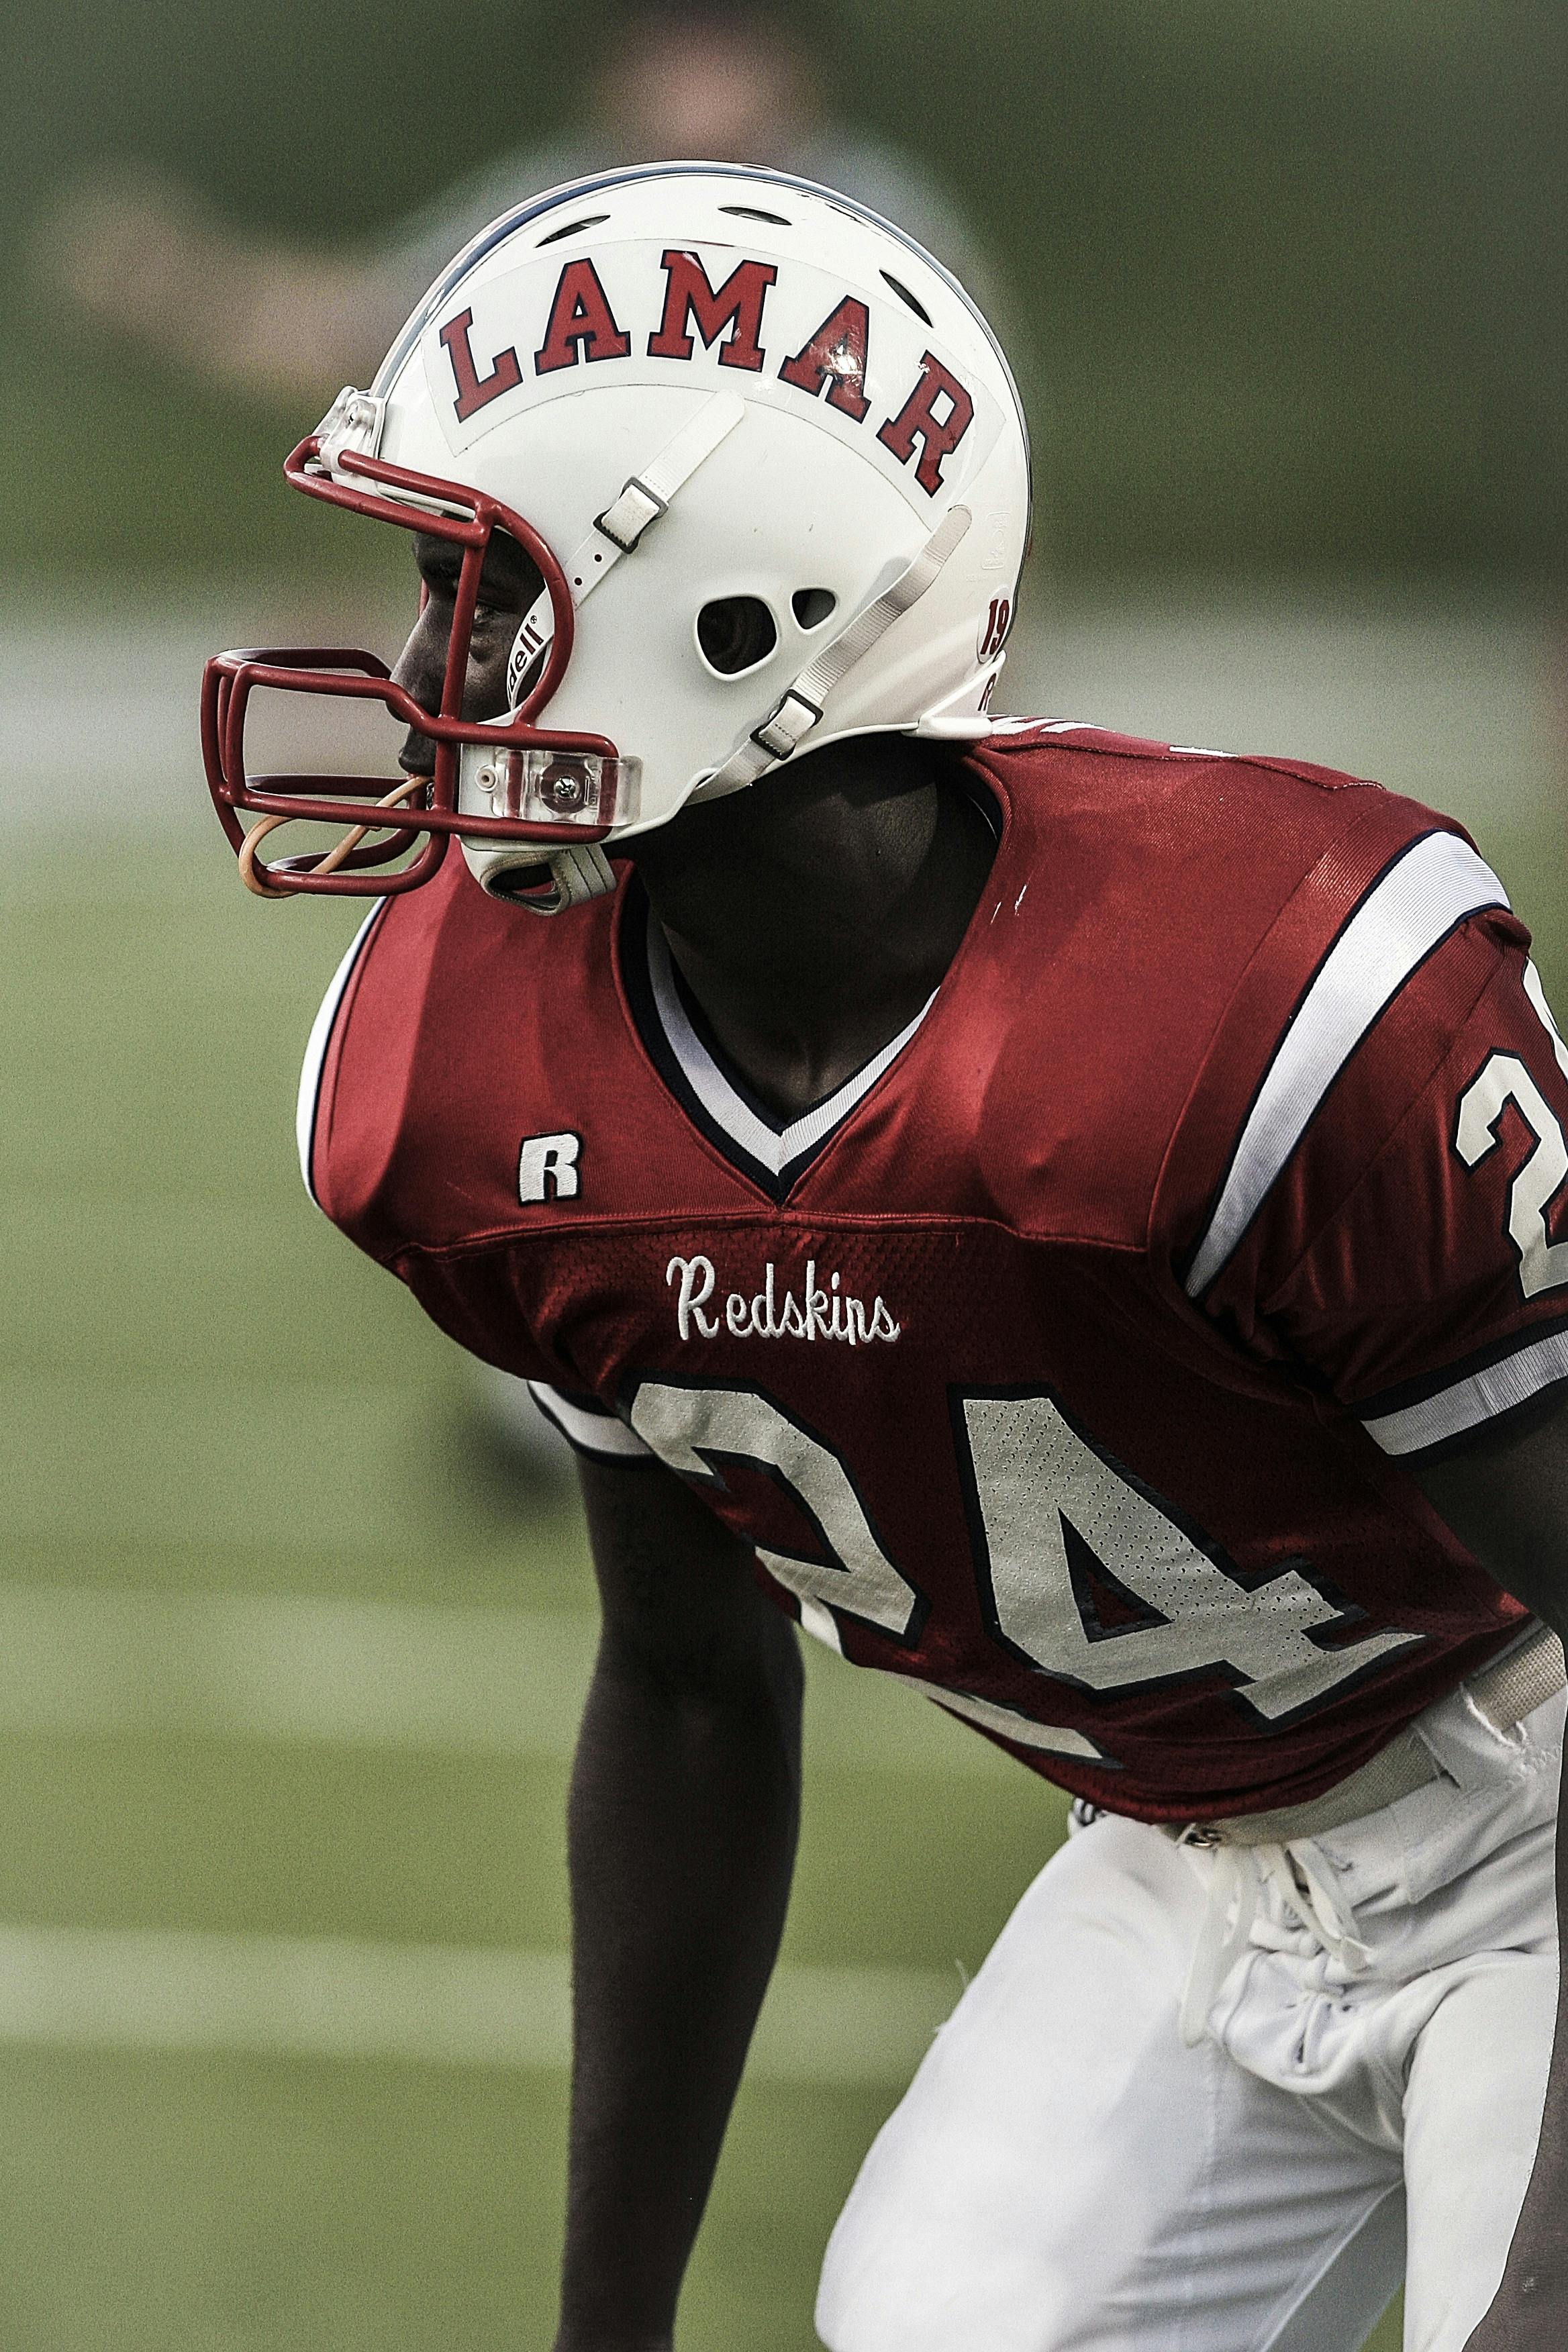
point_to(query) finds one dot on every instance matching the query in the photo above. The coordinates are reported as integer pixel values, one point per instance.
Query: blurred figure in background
(720, 80)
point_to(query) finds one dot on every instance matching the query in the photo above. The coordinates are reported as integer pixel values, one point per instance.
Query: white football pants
(1221, 2100)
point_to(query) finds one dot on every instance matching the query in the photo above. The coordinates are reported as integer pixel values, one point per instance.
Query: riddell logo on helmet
(583, 330)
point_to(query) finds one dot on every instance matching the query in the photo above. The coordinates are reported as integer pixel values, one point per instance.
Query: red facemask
(557, 790)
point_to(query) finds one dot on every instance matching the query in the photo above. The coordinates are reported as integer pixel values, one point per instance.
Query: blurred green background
(288, 1666)
(1287, 276)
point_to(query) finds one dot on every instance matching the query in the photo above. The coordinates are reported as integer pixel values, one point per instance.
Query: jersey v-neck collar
(773, 1153)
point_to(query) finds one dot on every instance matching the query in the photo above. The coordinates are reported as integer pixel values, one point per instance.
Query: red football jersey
(1064, 1362)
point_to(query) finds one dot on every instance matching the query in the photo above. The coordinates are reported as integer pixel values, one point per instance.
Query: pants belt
(1502, 1694)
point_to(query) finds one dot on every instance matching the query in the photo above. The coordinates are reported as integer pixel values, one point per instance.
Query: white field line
(98, 713)
(487, 1682)
(440, 2005)
(482, 1682)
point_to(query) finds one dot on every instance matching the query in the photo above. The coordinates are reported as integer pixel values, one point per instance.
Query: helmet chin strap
(619, 529)
(575, 876)
(800, 707)
(581, 874)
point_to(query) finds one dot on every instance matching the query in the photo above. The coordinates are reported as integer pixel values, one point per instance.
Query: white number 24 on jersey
(1542, 1262)
(1045, 1501)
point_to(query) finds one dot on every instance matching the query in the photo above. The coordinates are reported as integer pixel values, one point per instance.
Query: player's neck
(812, 915)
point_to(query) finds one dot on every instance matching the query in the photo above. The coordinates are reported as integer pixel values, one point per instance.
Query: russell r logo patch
(547, 1168)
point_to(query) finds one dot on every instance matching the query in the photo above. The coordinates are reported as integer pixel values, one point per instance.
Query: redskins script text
(830, 1314)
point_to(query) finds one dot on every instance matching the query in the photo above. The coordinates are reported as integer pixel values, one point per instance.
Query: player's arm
(684, 1807)
(274, 318)
(1408, 1254)
(1505, 1495)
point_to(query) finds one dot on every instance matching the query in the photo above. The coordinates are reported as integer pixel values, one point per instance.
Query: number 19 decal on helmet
(769, 465)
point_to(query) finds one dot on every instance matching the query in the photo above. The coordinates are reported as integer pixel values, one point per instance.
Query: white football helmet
(772, 468)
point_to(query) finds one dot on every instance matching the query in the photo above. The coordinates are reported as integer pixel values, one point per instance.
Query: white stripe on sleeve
(1419, 899)
(598, 1434)
(1477, 1397)
(316, 1049)
(1537, 996)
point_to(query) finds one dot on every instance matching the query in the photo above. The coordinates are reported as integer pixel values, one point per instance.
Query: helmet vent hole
(906, 297)
(750, 212)
(574, 228)
(735, 632)
(811, 606)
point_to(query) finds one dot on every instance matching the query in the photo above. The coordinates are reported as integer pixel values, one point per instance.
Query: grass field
(288, 1685)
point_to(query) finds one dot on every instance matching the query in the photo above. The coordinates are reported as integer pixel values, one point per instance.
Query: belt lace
(1270, 1898)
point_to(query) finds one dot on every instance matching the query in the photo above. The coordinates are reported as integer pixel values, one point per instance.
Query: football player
(1070, 1222)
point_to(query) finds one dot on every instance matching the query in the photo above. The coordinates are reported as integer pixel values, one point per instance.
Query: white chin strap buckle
(619, 529)
(625, 520)
(787, 724)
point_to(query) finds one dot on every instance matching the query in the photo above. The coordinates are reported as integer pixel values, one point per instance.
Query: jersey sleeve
(588, 1426)
(378, 1157)
(1393, 1224)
